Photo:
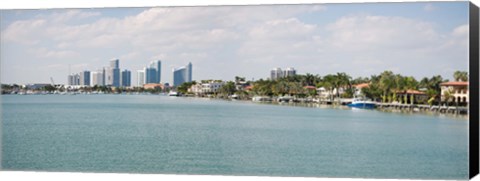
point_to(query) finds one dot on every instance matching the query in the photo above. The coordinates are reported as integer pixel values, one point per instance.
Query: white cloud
(461, 31)
(429, 8)
(238, 37)
(367, 32)
(23, 31)
(49, 53)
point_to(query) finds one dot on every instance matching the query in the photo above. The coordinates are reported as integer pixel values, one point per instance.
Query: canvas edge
(474, 90)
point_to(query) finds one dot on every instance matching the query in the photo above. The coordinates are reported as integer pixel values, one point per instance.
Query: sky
(361, 39)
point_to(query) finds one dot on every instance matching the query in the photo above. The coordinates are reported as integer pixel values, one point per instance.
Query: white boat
(173, 93)
(362, 103)
(234, 96)
(261, 99)
(285, 99)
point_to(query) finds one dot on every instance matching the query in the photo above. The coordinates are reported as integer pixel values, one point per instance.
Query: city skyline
(359, 39)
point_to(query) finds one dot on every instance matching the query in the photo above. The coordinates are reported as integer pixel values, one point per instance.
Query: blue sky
(418, 39)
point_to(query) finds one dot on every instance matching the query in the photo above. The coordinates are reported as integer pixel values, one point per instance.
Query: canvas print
(361, 90)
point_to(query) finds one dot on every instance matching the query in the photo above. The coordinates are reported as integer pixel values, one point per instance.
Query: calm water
(159, 134)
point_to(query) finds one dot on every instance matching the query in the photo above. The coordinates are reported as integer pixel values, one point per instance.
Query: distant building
(113, 74)
(98, 78)
(182, 75)
(85, 78)
(358, 89)
(206, 88)
(74, 79)
(276, 73)
(152, 73)
(212, 87)
(140, 78)
(459, 91)
(289, 72)
(153, 86)
(126, 78)
(418, 96)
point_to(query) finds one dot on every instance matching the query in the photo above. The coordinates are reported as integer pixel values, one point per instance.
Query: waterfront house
(325, 94)
(418, 96)
(241, 85)
(209, 87)
(358, 89)
(458, 91)
(153, 86)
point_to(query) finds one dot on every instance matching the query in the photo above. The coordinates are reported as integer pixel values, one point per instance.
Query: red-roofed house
(359, 87)
(309, 87)
(418, 96)
(458, 89)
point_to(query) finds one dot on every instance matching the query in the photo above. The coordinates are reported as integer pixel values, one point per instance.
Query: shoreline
(290, 104)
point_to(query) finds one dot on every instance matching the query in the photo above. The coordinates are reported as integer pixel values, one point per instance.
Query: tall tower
(141, 77)
(276, 73)
(189, 71)
(126, 78)
(158, 66)
(114, 63)
(182, 74)
(113, 76)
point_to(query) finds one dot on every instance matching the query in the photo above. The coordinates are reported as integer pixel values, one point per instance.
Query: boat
(173, 93)
(261, 99)
(285, 99)
(362, 103)
(234, 96)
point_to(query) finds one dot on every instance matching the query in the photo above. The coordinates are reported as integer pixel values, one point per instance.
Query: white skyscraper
(276, 73)
(98, 78)
(290, 71)
(140, 77)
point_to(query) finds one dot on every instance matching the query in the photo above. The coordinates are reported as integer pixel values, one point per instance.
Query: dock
(424, 108)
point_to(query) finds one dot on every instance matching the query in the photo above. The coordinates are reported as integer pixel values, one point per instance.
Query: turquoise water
(175, 135)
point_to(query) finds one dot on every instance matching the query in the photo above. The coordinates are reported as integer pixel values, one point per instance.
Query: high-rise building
(85, 78)
(98, 78)
(289, 72)
(153, 72)
(158, 67)
(276, 73)
(182, 75)
(114, 63)
(104, 76)
(113, 74)
(70, 79)
(74, 79)
(140, 77)
(126, 78)
(150, 75)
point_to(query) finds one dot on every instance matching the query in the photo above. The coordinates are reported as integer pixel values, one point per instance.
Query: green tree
(448, 95)
(460, 76)
(183, 88)
(386, 83)
(227, 89)
(49, 88)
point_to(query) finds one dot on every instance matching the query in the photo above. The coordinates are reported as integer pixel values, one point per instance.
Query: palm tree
(309, 79)
(447, 95)
(460, 76)
(342, 80)
(227, 89)
(386, 83)
(329, 84)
